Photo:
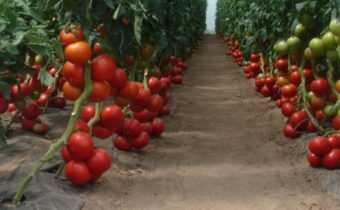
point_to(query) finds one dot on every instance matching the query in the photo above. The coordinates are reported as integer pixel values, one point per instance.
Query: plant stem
(62, 140)
(304, 99)
(95, 119)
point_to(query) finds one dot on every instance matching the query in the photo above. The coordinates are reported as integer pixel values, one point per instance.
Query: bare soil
(223, 149)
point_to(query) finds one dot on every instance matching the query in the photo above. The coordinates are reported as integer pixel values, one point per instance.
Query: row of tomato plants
(124, 53)
(297, 68)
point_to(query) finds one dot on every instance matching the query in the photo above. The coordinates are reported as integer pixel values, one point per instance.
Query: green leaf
(138, 29)
(115, 15)
(12, 49)
(3, 142)
(39, 48)
(301, 5)
(45, 78)
(57, 48)
(5, 89)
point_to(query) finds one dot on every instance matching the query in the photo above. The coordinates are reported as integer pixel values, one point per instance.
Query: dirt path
(223, 149)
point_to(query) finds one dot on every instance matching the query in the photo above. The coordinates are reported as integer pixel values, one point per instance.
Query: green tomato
(334, 27)
(317, 47)
(333, 56)
(294, 45)
(261, 75)
(282, 47)
(337, 40)
(329, 111)
(310, 94)
(38, 59)
(308, 54)
(338, 113)
(306, 20)
(20, 104)
(328, 40)
(299, 30)
(35, 95)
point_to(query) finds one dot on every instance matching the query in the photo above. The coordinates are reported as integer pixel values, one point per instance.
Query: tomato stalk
(3, 142)
(62, 140)
(305, 101)
(330, 78)
(95, 119)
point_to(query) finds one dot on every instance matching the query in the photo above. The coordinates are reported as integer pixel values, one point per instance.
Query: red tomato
(101, 91)
(140, 141)
(31, 111)
(27, 124)
(254, 58)
(135, 107)
(265, 91)
(143, 98)
(320, 87)
(289, 90)
(143, 116)
(158, 126)
(317, 103)
(130, 90)
(71, 93)
(146, 51)
(3, 105)
(299, 120)
(122, 143)
(121, 101)
(80, 145)
(288, 109)
(74, 35)
(147, 127)
(97, 49)
(81, 125)
(99, 162)
(154, 85)
(289, 131)
(24, 90)
(77, 172)
(112, 117)
(332, 159)
(310, 127)
(295, 78)
(78, 52)
(177, 79)
(314, 160)
(319, 115)
(282, 64)
(65, 154)
(132, 128)
(319, 145)
(101, 132)
(74, 74)
(58, 102)
(309, 75)
(336, 122)
(119, 80)
(165, 110)
(103, 68)
(156, 103)
(88, 112)
(334, 140)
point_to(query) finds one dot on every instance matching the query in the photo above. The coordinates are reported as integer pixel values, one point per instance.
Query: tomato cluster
(305, 89)
(84, 162)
